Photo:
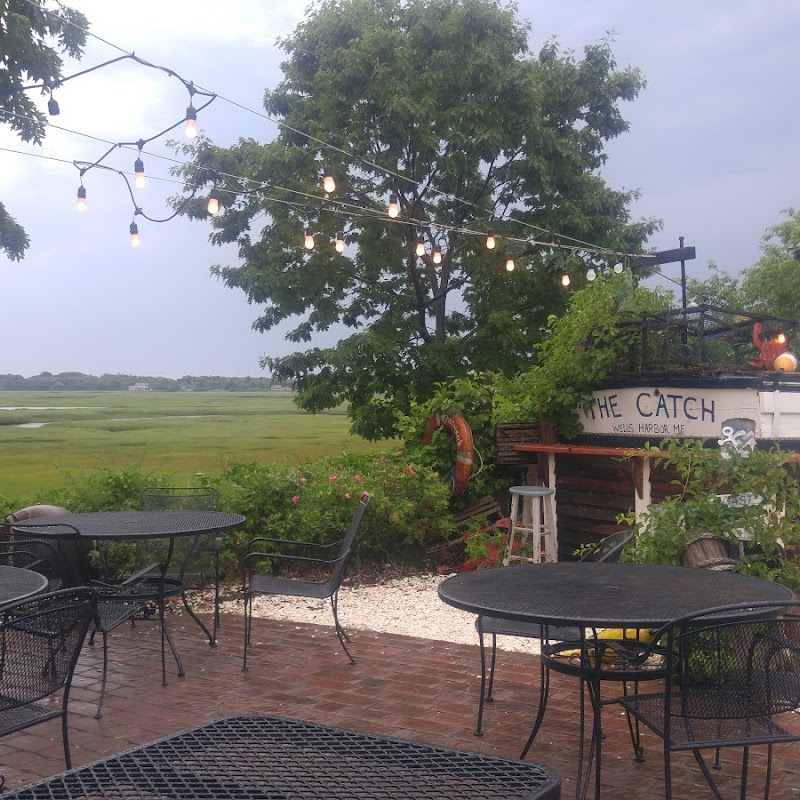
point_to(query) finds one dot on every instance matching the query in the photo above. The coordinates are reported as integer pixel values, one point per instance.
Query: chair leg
(340, 631)
(99, 713)
(482, 698)
(246, 603)
(633, 726)
(489, 696)
(65, 728)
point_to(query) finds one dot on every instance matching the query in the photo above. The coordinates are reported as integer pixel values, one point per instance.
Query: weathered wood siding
(591, 492)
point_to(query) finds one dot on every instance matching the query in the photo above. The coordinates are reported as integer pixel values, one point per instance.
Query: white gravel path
(408, 606)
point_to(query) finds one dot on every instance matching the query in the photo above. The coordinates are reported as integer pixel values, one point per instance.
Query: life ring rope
(465, 449)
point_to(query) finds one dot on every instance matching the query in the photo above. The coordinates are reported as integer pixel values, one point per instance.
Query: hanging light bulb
(135, 238)
(510, 265)
(591, 274)
(565, 279)
(309, 239)
(618, 267)
(339, 243)
(80, 202)
(420, 250)
(328, 181)
(213, 203)
(139, 180)
(490, 241)
(437, 254)
(191, 123)
(394, 206)
(52, 107)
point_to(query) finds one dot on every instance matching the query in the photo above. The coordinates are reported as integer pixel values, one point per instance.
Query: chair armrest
(283, 557)
(295, 543)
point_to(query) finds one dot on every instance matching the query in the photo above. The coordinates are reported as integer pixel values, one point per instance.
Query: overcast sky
(713, 148)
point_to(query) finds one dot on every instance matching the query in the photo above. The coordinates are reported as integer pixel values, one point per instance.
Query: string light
(139, 180)
(565, 279)
(591, 274)
(420, 250)
(490, 240)
(190, 128)
(80, 202)
(618, 267)
(52, 106)
(437, 254)
(135, 238)
(328, 181)
(213, 203)
(339, 244)
(394, 206)
(191, 116)
(510, 265)
(308, 242)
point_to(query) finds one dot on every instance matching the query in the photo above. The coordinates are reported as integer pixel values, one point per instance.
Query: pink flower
(296, 499)
(410, 471)
(263, 519)
(347, 495)
(332, 479)
(358, 479)
(303, 480)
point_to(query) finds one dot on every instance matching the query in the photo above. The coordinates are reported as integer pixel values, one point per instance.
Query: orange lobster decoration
(768, 349)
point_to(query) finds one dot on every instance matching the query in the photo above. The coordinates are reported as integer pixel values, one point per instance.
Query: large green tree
(439, 103)
(33, 36)
(770, 286)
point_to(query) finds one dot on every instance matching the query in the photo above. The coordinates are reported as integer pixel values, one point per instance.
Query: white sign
(683, 412)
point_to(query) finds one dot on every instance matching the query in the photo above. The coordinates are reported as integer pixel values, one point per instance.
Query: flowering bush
(315, 500)
(486, 545)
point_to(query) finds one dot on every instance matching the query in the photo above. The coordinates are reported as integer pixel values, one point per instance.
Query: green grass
(180, 433)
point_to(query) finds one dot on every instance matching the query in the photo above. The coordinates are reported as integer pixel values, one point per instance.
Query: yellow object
(642, 635)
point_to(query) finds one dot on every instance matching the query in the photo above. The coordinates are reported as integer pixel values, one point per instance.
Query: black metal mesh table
(602, 594)
(17, 584)
(259, 757)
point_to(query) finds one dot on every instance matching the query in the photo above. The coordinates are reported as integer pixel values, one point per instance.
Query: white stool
(534, 524)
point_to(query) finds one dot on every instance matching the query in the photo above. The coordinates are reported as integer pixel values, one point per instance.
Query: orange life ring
(460, 474)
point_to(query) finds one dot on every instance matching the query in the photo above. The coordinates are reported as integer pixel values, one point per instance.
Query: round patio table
(133, 525)
(18, 584)
(602, 595)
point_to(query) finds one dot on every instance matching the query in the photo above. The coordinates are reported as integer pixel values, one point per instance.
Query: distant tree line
(78, 382)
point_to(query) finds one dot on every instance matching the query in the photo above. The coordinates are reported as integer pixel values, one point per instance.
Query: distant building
(276, 387)
(139, 387)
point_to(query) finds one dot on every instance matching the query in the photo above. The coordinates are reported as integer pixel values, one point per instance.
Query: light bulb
(309, 239)
(191, 123)
(213, 203)
(591, 274)
(490, 242)
(80, 202)
(437, 254)
(781, 338)
(618, 267)
(328, 181)
(394, 206)
(565, 280)
(139, 180)
(135, 238)
(510, 265)
(339, 244)
(52, 107)
(420, 251)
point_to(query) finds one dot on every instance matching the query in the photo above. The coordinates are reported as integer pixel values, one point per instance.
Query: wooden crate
(508, 434)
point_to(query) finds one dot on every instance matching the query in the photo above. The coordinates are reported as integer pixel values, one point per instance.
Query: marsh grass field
(180, 433)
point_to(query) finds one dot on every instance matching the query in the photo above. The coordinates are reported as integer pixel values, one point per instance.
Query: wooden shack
(604, 472)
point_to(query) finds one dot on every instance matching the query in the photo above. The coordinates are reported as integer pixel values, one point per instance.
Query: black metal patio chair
(730, 672)
(333, 563)
(607, 549)
(40, 640)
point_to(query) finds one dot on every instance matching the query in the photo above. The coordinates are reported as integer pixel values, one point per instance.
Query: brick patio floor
(400, 686)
